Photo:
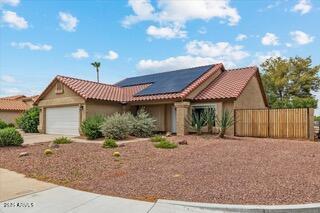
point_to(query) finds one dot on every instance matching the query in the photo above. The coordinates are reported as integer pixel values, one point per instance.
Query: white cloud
(8, 79)
(175, 12)
(198, 53)
(13, 20)
(261, 57)
(9, 91)
(31, 46)
(270, 39)
(80, 54)
(241, 37)
(301, 38)
(112, 55)
(274, 4)
(68, 22)
(173, 63)
(166, 32)
(143, 11)
(202, 30)
(302, 7)
(288, 45)
(10, 2)
(221, 50)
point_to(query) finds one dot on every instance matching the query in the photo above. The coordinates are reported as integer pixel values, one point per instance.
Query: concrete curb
(306, 208)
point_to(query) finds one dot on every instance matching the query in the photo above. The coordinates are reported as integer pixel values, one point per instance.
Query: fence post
(311, 123)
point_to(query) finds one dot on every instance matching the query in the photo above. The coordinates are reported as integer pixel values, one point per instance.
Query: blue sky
(41, 39)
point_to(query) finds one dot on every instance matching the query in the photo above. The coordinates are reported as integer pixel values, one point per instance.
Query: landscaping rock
(121, 145)
(116, 154)
(53, 145)
(183, 142)
(168, 134)
(22, 154)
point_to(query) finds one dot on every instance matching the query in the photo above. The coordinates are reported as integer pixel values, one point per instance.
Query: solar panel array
(166, 82)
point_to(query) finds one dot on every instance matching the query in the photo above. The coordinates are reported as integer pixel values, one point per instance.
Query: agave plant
(225, 122)
(197, 121)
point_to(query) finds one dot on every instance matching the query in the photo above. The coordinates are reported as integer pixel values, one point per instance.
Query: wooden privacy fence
(275, 123)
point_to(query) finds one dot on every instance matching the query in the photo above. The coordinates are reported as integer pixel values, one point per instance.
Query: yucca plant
(210, 117)
(225, 122)
(197, 121)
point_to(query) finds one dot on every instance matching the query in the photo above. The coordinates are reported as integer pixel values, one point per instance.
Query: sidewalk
(21, 194)
(38, 197)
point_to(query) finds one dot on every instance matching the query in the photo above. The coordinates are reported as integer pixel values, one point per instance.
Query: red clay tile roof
(12, 105)
(15, 97)
(229, 84)
(92, 90)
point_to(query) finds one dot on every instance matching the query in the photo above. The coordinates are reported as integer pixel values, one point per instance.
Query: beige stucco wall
(251, 97)
(68, 97)
(158, 112)
(10, 116)
(52, 99)
(230, 107)
(102, 108)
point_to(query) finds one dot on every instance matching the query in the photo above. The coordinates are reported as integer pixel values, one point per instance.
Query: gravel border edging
(306, 208)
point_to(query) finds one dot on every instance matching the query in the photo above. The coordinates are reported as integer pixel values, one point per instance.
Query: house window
(59, 88)
(201, 109)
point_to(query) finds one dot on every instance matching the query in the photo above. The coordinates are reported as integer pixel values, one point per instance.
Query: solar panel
(166, 82)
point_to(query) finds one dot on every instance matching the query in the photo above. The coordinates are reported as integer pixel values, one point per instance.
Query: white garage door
(62, 120)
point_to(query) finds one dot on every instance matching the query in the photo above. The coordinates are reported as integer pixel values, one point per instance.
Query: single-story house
(168, 96)
(12, 107)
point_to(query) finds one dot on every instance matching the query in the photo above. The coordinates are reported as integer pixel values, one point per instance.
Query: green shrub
(11, 125)
(91, 127)
(10, 137)
(3, 124)
(117, 126)
(29, 120)
(157, 138)
(62, 140)
(143, 125)
(109, 143)
(165, 144)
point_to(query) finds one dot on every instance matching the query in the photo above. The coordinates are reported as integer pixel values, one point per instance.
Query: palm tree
(97, 66)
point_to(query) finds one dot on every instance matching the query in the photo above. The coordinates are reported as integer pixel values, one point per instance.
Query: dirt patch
(232, 171)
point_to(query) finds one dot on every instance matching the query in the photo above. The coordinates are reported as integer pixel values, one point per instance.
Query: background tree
(289, 83)
(97, 66)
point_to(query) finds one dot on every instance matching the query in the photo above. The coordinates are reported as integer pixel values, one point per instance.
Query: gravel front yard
(233, 171)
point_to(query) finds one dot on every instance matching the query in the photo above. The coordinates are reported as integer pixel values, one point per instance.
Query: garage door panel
(62, 120)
